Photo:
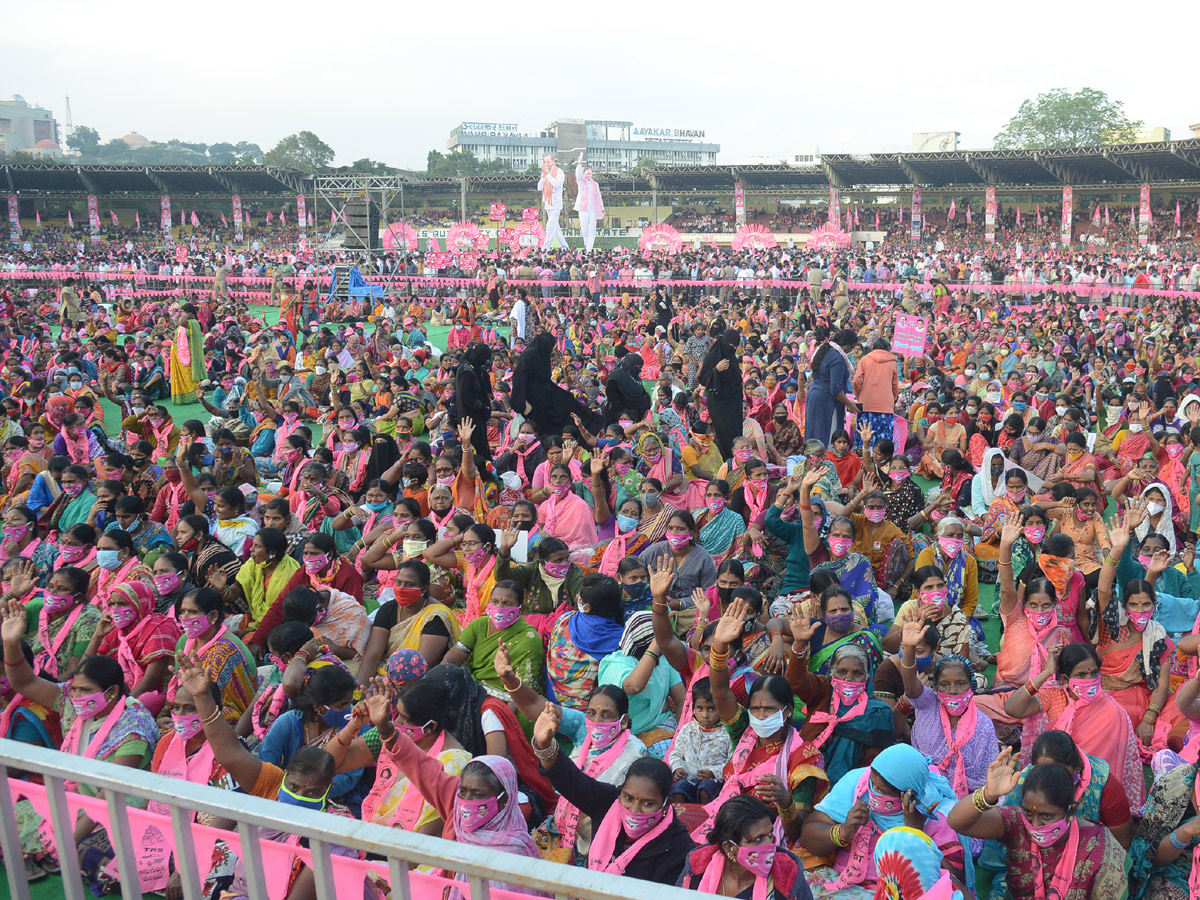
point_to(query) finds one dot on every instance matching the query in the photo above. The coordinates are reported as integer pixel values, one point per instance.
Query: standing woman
(186, 357)
(721, 377)
(827, 403)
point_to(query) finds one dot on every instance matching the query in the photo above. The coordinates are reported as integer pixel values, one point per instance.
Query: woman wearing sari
(500, 633)
(957, 480)
(648, 681)
(949, 553)
(1164, 863)
(567, 516)
(140, 639)
(74, 504)
(937, 435)
(226, 660)
(1037, 452)
(1081, 468)
(186, 357)
(62, 628)
(22, 467)
(718, 526)
(898, 788)
(412, 620)
(838, 625)
(888, 549)
(1051, 850)
(1081, 707)
(579, 640)
(833, 553)
(771, 759)
(845, 722)
(262, 581)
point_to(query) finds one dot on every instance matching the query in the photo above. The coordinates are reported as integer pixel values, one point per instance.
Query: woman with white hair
(950, 553)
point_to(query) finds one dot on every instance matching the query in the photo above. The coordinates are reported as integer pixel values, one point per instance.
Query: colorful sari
(718, 533)
(186, 363)
(406, 633)
(230, 666)
(820, 656)
(1169, 806)
(944, 438)
(1099, 869)
(854, 573)
(577, 643)
(1042, 463)
(1131, 662)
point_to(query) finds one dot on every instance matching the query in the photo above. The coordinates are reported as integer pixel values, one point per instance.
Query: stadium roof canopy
(1163, 163)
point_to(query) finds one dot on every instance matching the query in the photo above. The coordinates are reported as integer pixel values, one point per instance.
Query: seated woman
(261, 582)
(138, 638)
(1135, 664)
(1163, 860)
(1080, 707)
(1099, 797)
(550, 579)
(932, 606)
(501, 630)
(62, 629)
(838, 623)
(581, 639)
(338, 621)
(833, 554)
(950, 554)
(1085, 527)
(904, 496)
(743, 858)
(228, 663)
(694, 567)
(717, 525)
(315, 719)
(1050, 850)
(888, 549)
(897, 788)
(567, 516)
(636, 831)
(948, 727)
(411, 620)
(845, 722)
(648, 681)
(771, 759)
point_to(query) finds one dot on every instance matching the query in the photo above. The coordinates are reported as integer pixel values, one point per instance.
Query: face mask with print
(951, 546)
(503, 616)
(194, 626)
(122, 616)
(556, 570)
(314, 564)
(935, 598)
(839, 546)
(471, 815)
(847, 691)
(678, 540)
(956, 704)
(637, 824)
(875, 516)
(1045, 835)
(1087, 689)
(1140, 619)
(1034, 533)
(186, 726)
(603, 733)
(884, 805)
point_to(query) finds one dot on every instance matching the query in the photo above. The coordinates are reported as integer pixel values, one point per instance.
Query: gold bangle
(1001, 562)
(216, 714)
(790, 812)
(903, 666)
(1154, 708)
(516, 687)
(835, 836)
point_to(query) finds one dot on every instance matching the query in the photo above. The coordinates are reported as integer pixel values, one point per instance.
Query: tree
(370, 167)
(462, 163)
(1062, 119)
(248, 154)
(85, 140)
(304, 151)
(222, 152)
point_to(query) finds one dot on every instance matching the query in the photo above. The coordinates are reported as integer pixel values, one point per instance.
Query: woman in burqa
(535, 395)
(473, 394)
(721, 377)
(625, 394)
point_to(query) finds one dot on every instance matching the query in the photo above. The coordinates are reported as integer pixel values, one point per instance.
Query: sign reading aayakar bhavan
(678, 134)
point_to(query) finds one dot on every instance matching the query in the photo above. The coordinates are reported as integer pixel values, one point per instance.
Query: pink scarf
(130, 664)
(831, 720)
(476, 580)
(744, 778)
(405, 815)
(523, 462)
(78, 448)
(600, 855)
(1064, 872)
(162, 438)
(566, 816)
(857, 866)
(183, 346)
(71, 739)
(176, 764)
(589, 195)
(47, 660)
(115, 577)
(613, 554)
(711, 882)
(548, 184)
(954, 766)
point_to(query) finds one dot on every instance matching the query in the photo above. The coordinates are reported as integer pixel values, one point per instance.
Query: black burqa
(724, 391)
(473, 394)
(625, 394)
(535, 395)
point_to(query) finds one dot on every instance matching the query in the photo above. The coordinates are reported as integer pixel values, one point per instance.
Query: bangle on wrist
(1175, 841)
(212, 717)
(904, 665)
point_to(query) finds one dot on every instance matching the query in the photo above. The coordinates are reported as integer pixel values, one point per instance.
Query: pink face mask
(15, 532)
(413, 732)
(314, 564)
(1035, 533)
(742, 454)
(186, 726)
(471, 815)
(1175, 450)
(1141, 619)
(935, 598)
(1087, 689)
(637, 824)
(715, 504)
(557, 570)
(937, 515)
(956, 704)
(503, 616)
(559, 490)
(122, 616)
(56, 603)
(848, 691)
(839, 546)
(602, 733)
(885, 806)
(89, 704)
(757, 859)
(476, 557)
(166, 583)
(678, 540)
(71, 554)
(1045, 835)
(899, 477)
(951, 546)
(194, 626)
(1039, 619)
(1016, 496)
(875, 516)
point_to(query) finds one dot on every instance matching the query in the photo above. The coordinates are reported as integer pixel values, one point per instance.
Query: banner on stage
(165, 217)
(14, 218)
(989, 215)
(301, 215)
(1143, 224)
(1068, 214)
(918, 217)
(835, 207)
(237, 217)
(739, 204)
(93, 214)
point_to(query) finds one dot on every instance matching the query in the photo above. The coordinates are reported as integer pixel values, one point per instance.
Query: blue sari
(855, 574)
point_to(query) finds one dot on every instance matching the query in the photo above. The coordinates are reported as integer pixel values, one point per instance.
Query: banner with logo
(1068, 216)
(165, 219)
(835, 207)
(917, 216)
(301, 216)
(1143, 224)
(739, 204)
(93, 214)
(14, 218)
(989, 215)
(237, 217)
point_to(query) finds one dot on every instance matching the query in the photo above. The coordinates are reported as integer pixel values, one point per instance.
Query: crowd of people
(710, 585)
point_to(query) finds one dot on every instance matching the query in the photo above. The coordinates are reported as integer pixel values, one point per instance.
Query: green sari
(480, 642)
(717, 533)
(68, 512)
(867, 639)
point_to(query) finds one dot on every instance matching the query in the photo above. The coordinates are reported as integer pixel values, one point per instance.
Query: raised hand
(546, 727)
(508, 540)
(1159, 563)
(503, 662)
(191, 673)
(1002, 776)
(858, 816)
(1010, 532)
(729, 626)
(803, 628)
(662, 576)
(913, 633)
(14, 625)
(813, 476)
(466, 428)
(379, 701)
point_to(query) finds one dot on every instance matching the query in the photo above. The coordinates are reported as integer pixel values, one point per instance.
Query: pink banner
(989, 215)
(1068, 215)
(14, 218)
(530, 214)
(1143, 223)
(93, 207)
(739, 204)
(237, 217)
(301, 216)
(165, 218)
(910, 335)
(918, 217)
(835, 207)
(496, 212)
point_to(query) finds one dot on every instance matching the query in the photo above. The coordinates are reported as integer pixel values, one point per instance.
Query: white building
(610, 146)
(31, 129)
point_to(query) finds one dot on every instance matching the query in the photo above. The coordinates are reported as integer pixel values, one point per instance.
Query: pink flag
(195, 220)
(900, 212)
(333, 217)
(70, 220)
(37, 218)
(223, 222)
(877, 218)
(1039, 215)
(1178, 215)
(282, 219)
(270, 217)
(137, 219)
(311, 221)
(856, 213)
(968, 212)
(182, 218)
(1018, 217)
(950, 215)
(1198, 212)
(1096, 216)
(1133, 216)
(112, 215)
(1105, 215)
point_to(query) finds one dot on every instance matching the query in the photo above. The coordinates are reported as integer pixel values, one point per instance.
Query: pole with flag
(37, 217)
(137, 220)
(968, 213)
(224, 222)
(1105, 215)
(282, 219)
(1039, 215)
(1096, 216)
(877, 217)
(1178, 215)
(113, 216)
(1133, 216)
(70, 220)
(270, 217)
(195, 220)
(1018, 217)
(950, 215)
(333, 217)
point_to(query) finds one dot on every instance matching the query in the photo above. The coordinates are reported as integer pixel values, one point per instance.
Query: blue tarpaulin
(358, 287)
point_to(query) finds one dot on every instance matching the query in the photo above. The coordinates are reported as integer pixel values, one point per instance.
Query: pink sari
(572, 520)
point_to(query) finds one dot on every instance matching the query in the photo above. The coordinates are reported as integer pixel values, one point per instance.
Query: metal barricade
(398, 848)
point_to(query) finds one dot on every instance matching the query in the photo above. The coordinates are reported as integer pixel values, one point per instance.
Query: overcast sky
(767, 79)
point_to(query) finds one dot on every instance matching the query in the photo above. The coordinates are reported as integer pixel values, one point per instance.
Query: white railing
(394, 848)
